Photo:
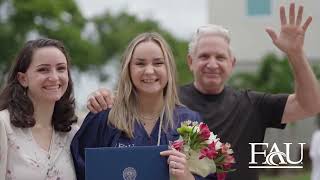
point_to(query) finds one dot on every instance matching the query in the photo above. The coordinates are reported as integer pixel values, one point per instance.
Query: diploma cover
(127, 163)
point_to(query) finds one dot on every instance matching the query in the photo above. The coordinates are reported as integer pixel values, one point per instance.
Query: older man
(241, 117)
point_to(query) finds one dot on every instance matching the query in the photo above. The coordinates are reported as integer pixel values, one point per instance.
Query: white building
(247, 20)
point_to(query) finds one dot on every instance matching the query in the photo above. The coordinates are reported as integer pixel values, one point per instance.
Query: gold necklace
(151, 119)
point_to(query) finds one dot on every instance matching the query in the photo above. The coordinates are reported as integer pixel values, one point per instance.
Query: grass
(300, 176)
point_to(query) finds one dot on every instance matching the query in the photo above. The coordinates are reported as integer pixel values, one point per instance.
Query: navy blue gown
(96, 132)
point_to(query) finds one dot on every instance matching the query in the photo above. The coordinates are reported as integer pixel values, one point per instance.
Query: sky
(181, 17)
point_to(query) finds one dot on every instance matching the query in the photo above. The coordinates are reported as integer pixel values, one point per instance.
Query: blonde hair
(209, 29)
(124, 113)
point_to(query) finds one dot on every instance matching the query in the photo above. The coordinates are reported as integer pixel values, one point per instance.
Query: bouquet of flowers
(205, 153)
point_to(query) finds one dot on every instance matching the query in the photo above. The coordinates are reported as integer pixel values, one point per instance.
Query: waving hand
(291, 37)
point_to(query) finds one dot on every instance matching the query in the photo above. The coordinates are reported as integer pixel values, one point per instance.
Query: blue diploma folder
(129, 163)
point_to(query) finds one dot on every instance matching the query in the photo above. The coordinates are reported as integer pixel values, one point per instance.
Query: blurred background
(96, 33)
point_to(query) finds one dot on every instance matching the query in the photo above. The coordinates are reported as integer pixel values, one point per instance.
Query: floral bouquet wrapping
(205, 153)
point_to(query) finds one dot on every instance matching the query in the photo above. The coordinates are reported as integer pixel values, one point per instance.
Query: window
(258, 7)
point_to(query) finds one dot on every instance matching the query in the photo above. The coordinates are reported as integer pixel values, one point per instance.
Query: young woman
(37, 113)
(146, 111)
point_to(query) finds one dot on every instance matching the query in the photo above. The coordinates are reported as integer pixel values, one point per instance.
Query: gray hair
(209, 29)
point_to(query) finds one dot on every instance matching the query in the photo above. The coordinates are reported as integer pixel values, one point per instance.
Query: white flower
(195, 123)
(196, 129)
(186, 123)
(218, 145)
(212, 138)
(230, 151)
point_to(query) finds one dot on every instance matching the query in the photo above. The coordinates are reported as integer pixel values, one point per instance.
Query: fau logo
(283, 158)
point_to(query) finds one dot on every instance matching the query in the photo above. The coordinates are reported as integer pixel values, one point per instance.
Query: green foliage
(54, 19)
(316, 68)
(293, 176)
(116, 31)
(184, 74)
(273, 75)
(63, 20)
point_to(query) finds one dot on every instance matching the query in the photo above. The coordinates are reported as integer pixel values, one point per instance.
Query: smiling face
(148, 71)
(47, 76)
(211, 64)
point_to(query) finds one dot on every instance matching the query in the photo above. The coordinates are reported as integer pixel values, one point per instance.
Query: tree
(63, 20)
(116, 31)
(55, 19)
(273, 75)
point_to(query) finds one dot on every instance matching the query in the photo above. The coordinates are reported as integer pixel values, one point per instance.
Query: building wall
(249, 40)
(250, 43)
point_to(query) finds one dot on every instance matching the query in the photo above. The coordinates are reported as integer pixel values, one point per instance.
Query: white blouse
(22, 158)
(315, 155)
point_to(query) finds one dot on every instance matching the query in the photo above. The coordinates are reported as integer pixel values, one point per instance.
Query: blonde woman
(146, 111)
